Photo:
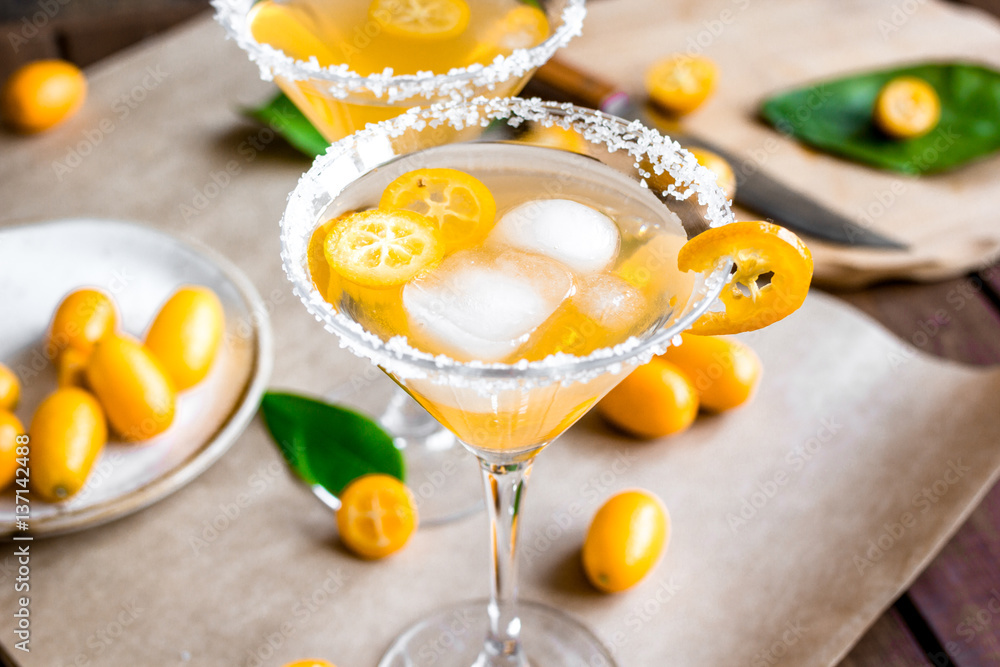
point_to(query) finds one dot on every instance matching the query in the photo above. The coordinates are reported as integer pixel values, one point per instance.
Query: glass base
(453, 637)
(441, 473)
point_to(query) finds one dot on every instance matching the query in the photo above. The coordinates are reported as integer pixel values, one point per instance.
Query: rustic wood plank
(888, 643)
(991, 279)
(69, 10)
(22, 42)
(88, 40)
(952, 319)
(82, 31)
(959, 593)
(956, 320)
(991, 6)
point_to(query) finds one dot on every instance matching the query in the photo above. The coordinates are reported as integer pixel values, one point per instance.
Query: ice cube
(603, 311)
(609, 301)
(581, 238)
(483, 306)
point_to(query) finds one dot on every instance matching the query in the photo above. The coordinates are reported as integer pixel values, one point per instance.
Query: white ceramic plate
(140, 267)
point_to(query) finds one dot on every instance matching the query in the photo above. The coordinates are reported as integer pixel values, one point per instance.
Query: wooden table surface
(951, 614)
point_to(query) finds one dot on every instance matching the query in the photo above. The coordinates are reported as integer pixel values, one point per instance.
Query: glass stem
(405, 418)
(505, 485)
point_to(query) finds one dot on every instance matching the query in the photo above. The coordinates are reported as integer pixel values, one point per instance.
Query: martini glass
(339, 102)
(505, 414)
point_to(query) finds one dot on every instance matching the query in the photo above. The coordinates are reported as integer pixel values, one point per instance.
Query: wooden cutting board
(949, 221)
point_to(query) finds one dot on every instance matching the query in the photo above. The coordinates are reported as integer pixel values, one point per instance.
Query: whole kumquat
(82, 318)
(67, 433)
(625, 540)
(724, 371)
(655, 400)
(10, 429)
(10, 389)
(186, 333)
(42, 94)
(136, 392)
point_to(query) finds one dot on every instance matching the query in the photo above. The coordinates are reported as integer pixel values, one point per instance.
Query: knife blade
(755, 189)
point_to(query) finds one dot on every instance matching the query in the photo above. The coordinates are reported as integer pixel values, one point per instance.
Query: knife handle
(580, 87)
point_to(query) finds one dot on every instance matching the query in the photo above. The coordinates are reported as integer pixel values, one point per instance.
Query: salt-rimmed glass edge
(395, 355)
(459, 82)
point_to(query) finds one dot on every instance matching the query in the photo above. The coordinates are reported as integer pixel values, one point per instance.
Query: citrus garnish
(292, 31)
(421, 19)
(462, 206)
(523, 27)
(383, 248)
(756, 248)
(377, 515)
(907, 107)
(680, 83)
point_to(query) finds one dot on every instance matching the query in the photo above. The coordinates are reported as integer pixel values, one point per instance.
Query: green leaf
(533, 3)
(836, 116)
(284, 117)
(326, 444)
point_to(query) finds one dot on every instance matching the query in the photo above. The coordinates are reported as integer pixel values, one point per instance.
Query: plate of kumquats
(131, 363)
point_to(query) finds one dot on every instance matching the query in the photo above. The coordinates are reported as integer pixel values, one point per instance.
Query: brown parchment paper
(949, 221)
(242, 566)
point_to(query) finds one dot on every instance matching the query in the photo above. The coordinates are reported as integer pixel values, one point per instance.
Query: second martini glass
(506, 413)
(313, 73)
(338, 102)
